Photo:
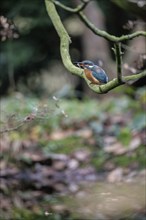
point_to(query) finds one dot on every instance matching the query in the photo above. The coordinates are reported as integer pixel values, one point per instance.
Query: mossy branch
(65, 42)
(78, 10)
(72, 10)
(64, 38)
(106, 35)
(118, 55)
(115, 82)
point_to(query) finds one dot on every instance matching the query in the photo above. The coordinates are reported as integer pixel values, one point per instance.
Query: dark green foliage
(34, 48)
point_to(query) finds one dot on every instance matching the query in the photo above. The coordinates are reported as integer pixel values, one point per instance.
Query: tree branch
(106, 35)
(78, 10)
(64, 50)
(118, 55)
(72, 10)
(115, 83)
(64, 38)
(11, 129)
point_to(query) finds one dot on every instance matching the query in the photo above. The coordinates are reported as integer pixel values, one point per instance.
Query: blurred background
(62, 144)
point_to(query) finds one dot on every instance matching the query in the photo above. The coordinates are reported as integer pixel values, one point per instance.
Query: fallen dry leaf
(116, 148)
(82, 155)
(135, 143)
(60, 134)
(59, 165)
(73, 164)
(115, 176)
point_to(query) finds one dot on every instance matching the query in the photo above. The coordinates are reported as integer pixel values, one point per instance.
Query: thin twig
(12, 129)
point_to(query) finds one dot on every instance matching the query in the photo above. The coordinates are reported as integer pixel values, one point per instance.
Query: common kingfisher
(95, 74)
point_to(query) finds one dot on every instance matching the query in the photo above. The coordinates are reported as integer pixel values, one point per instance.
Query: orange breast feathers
(90, 77)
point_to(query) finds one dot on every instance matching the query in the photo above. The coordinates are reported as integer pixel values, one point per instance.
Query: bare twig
(28, 118)
(12, 129)
(118, 55)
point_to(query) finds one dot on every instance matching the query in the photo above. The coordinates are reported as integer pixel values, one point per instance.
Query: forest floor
(71, 159)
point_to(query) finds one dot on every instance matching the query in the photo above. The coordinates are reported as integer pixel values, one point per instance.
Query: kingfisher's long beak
(79, 64)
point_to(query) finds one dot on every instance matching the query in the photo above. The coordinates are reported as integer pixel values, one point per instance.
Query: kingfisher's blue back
(99, 74)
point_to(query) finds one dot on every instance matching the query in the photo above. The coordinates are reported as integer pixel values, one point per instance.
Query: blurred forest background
(66, 152)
